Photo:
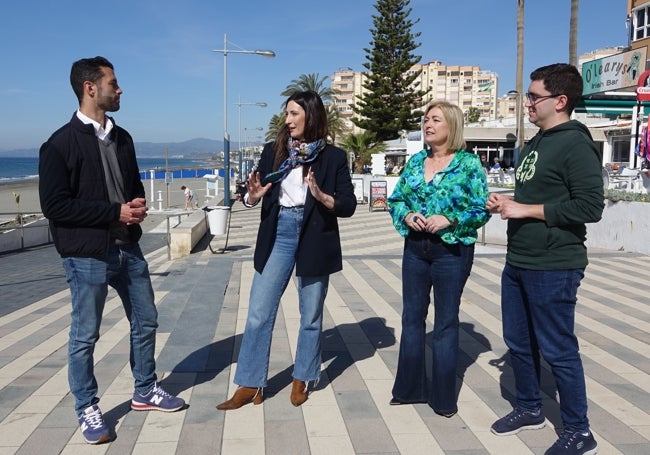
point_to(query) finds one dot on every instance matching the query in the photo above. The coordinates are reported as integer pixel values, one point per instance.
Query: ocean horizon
(15, 169)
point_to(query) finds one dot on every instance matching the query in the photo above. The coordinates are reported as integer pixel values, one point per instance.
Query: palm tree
(520, 76)
(313, 82)
(573, 33)
(275, 125)
(363, 145)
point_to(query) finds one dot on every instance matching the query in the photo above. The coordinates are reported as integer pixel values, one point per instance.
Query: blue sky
(173, 83)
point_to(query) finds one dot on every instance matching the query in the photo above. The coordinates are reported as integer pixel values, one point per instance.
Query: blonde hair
(456, 121)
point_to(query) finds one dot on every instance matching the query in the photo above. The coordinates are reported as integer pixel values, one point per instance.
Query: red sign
(643, 87)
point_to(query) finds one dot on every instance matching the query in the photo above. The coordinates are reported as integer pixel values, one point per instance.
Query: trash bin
(218, 218)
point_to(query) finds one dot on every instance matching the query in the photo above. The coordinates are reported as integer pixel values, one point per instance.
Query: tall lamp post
(246, 130)
(226, 137)
(240, 104)
(519, 130)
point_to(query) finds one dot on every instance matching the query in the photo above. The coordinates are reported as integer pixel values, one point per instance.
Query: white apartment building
(465, 86)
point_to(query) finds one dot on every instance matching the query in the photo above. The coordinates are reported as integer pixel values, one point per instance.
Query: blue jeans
(266, 292)
(428, 262)
(538, 311)
(126, 270)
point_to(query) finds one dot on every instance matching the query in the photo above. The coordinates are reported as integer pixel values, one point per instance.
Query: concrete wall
(32, 234)
(187, 234)
(625, 226)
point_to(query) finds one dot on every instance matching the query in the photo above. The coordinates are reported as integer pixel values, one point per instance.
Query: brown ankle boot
(298, 392)
(242, 396)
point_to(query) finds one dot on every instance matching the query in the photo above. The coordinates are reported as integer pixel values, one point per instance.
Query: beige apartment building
(466, 86)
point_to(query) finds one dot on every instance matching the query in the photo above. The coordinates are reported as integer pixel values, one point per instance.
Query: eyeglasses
(534, 99)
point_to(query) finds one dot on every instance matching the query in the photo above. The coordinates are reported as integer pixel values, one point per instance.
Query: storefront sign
(613, 72)
(643, 87)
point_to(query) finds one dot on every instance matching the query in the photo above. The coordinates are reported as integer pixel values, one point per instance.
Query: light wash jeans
(266, 292)
(538, 312)
(126, 270)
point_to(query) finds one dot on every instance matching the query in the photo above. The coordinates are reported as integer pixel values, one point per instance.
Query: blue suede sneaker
(517, 420)
(156, 400)
(574, 443)
(92, 425)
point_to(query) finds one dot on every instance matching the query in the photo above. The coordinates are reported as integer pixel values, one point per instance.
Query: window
(620, 149)
(640, 27)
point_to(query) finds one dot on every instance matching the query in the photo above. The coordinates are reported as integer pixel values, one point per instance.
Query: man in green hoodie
(558, 188)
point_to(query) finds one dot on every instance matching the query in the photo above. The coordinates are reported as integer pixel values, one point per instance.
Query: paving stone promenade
(202, 301)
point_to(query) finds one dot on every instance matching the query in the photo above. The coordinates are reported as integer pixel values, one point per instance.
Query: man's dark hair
(561, 79)
(87, 69)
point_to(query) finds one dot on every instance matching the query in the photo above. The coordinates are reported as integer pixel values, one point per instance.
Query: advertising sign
(358, 189)
(613, 72)
(378, 194)
(643, 87)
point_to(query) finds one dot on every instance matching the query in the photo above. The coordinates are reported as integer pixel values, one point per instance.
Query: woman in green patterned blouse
(437, 205)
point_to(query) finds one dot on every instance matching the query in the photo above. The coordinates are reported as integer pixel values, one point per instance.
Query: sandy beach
(164, 196)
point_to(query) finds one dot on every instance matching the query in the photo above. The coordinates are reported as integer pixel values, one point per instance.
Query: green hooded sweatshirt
(561, 169)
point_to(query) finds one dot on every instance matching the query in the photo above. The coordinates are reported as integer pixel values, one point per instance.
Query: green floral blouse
(459, 192)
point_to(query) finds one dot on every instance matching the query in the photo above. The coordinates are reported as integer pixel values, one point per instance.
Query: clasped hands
(431, 224)
(134, 212)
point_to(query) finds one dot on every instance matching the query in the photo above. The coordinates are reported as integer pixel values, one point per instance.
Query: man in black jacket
(90, 190)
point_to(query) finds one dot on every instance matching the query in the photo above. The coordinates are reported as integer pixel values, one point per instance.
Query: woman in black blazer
(304, 185)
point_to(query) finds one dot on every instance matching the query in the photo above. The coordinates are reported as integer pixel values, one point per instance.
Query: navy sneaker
(93, 427)
(517, 420)
(574, 443)
(156, 400)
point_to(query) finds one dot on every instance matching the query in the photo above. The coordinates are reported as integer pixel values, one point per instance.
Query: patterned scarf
(299, 153)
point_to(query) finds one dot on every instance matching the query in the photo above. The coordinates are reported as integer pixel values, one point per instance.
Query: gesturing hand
(325, 199)
(255, 189)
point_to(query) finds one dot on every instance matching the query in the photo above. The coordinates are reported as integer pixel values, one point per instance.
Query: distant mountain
(197, 146)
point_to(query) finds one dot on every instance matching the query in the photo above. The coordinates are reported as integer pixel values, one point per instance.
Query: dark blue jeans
(428, 262)
(538, 309)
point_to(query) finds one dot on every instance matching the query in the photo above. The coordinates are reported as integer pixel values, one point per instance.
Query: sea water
(25, 168)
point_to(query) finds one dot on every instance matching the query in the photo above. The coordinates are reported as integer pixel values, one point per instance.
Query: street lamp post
(226, 137)
(246, 130)
(240, 104)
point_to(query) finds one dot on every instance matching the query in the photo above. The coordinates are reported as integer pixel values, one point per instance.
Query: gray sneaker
(517, 420)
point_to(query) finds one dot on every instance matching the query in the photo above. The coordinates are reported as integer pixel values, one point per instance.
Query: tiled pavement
(202, 301)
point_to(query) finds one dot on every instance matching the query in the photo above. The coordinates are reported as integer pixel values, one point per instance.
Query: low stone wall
(625, 226)
(193, 227)
(31, 234)
(184, 236)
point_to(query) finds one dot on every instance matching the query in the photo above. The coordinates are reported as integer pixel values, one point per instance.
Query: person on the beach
(189, 197)
(558, 188)
(91, 192)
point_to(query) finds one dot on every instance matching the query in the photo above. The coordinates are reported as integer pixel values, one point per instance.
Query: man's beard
(109, 104)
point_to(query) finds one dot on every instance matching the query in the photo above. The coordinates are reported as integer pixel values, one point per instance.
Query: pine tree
(390, 103)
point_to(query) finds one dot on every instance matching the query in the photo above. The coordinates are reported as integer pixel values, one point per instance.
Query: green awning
(609, 107)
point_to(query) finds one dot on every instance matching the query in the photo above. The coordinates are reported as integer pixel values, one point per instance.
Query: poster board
(378, 195)
(357, 183)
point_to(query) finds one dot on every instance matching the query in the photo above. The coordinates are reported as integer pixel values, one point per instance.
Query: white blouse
(293, 190)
